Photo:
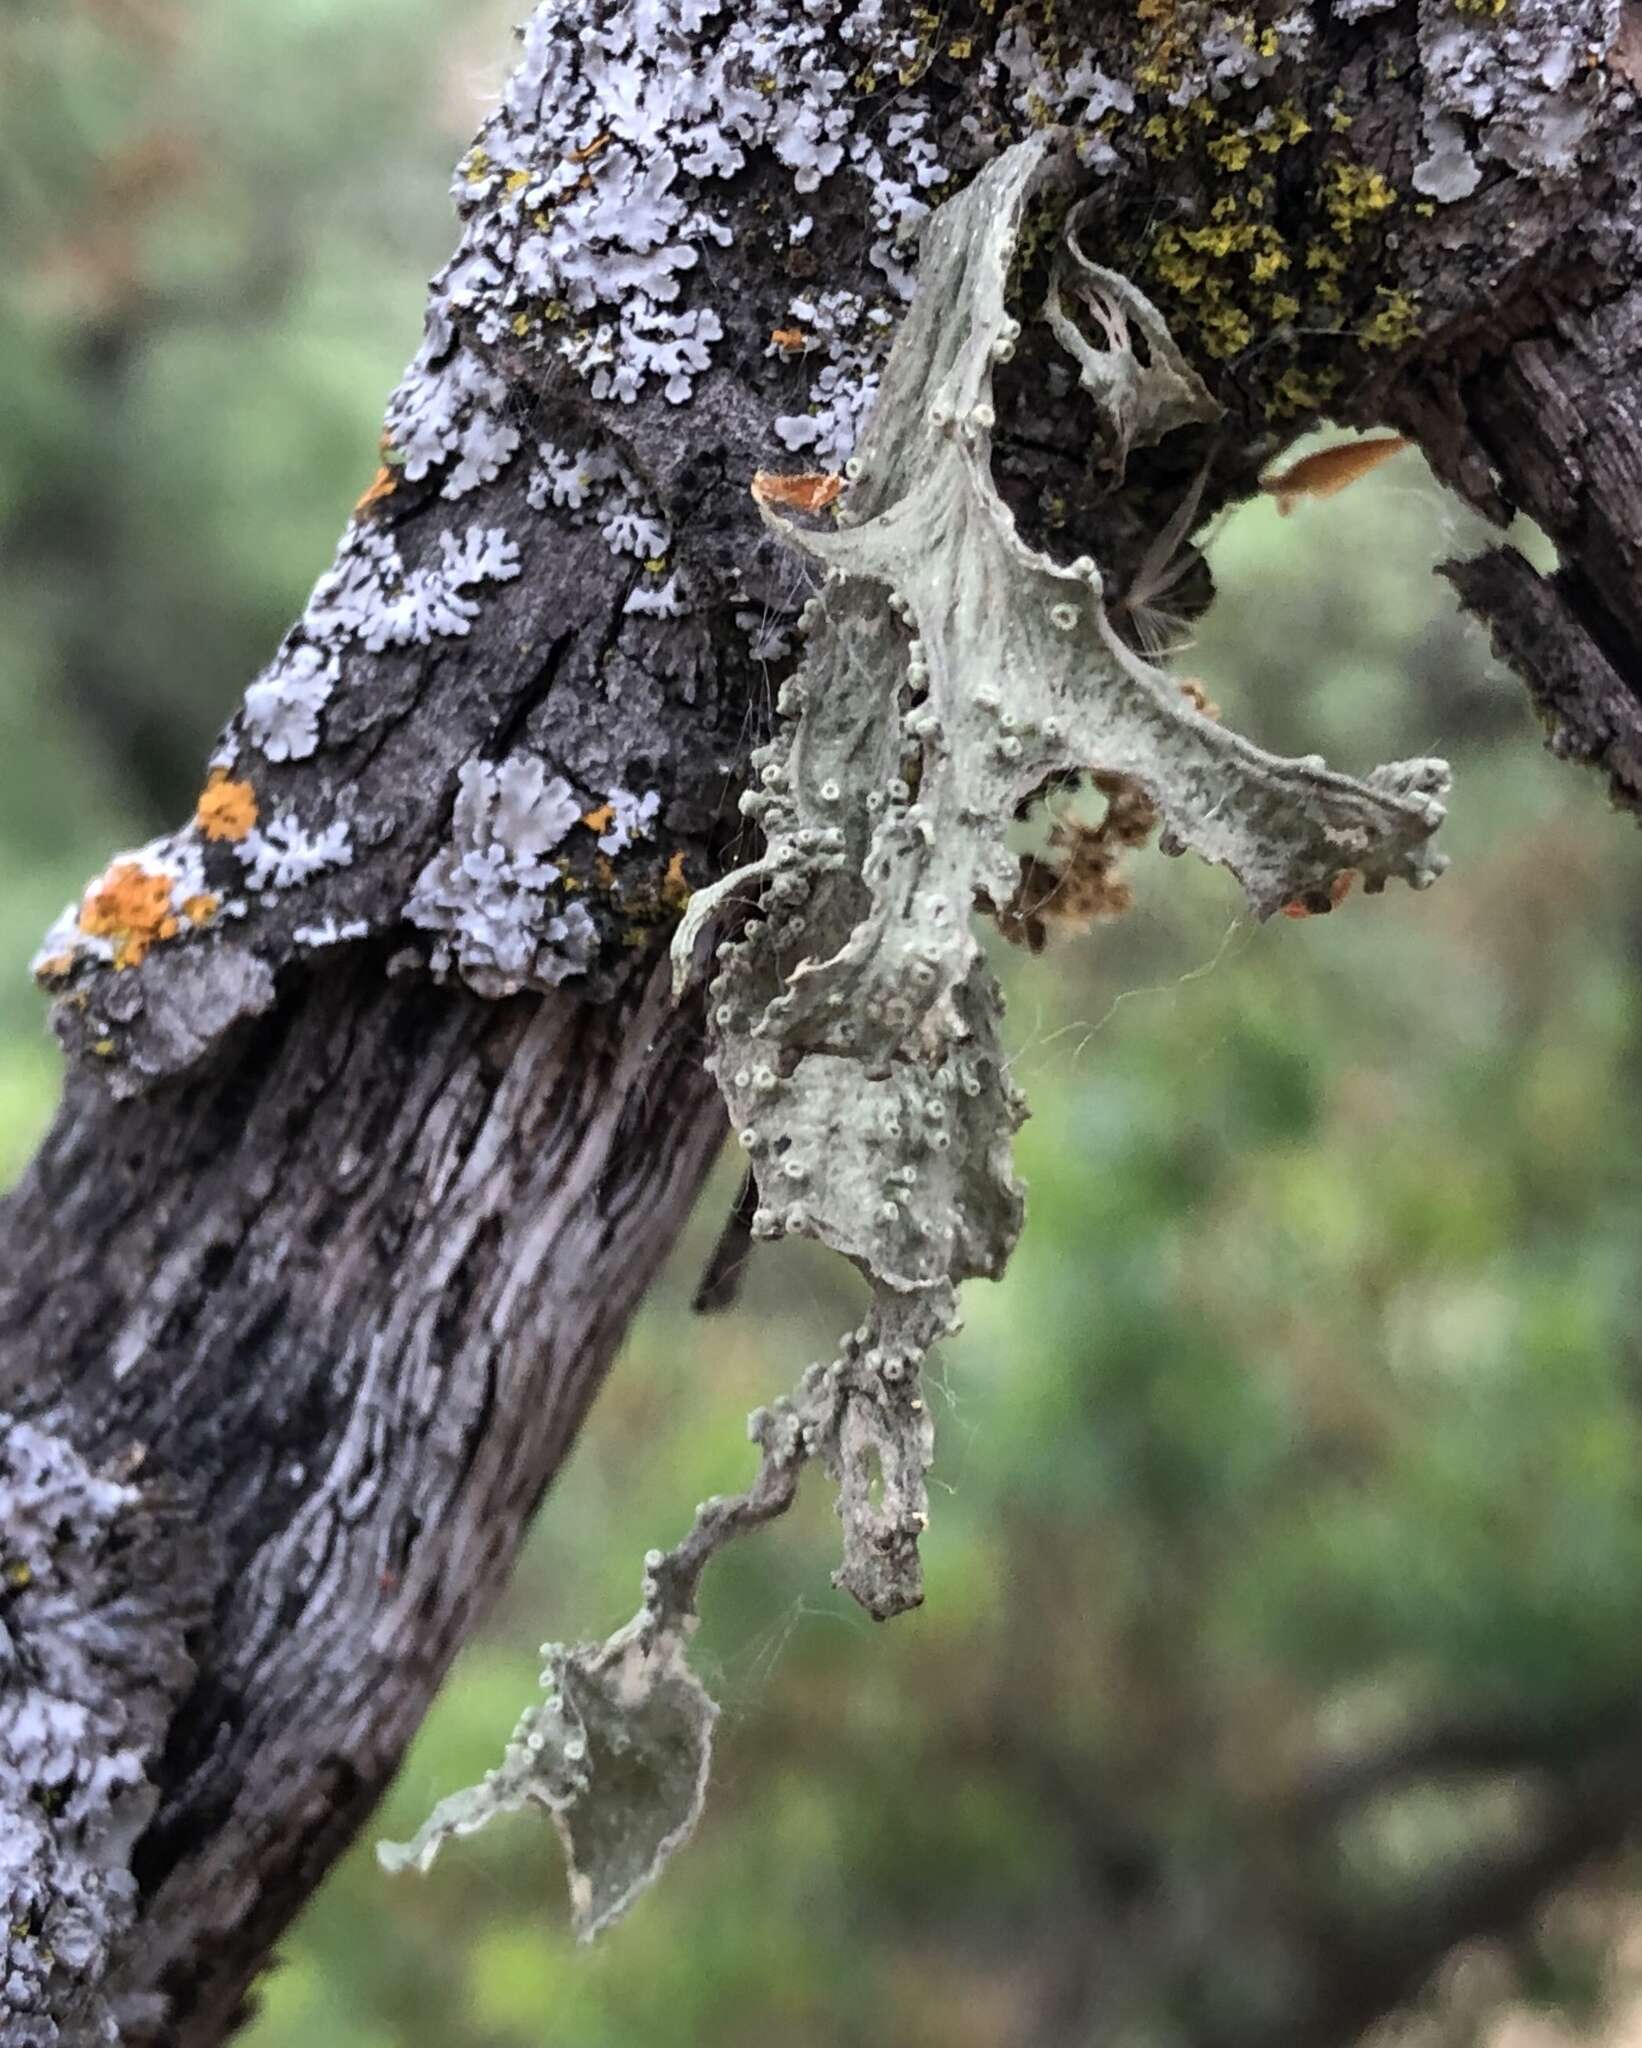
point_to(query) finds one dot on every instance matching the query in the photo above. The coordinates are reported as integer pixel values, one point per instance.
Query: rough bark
(317, 1304)
(332, 1259)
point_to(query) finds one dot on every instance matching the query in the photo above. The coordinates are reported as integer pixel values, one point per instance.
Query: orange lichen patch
(201, 909)
(675, 890)
(1338, 890)
(1196, 694)
(382, 485)
(226, 810)
(54, 968)
(131, 906)
(1329, 470)
(591, 149)
(813, 491)
(600, 818)
(788, 337)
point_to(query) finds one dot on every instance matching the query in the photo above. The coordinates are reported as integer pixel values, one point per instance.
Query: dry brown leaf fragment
(1328, 470)
(1078, 884)
(382, 485)
(810, 491)
(675, 887)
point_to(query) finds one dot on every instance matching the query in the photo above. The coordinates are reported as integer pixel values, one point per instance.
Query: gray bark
(329, 1261)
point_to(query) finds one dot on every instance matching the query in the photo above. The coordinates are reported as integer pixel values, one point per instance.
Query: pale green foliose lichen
(630, 1724)
(950, 673)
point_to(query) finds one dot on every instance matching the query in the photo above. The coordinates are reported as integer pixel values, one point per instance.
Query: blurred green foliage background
(1303, 1438)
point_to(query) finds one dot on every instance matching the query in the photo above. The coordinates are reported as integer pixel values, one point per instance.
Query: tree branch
(330, 1259)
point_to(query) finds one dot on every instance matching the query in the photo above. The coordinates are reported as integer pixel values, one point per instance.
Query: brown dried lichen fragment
(1338, 890)
(131, 906)
(382, 485)
(1329, 470)
(1066, 896)
(675, 889)
(226, 810)
(809, 491)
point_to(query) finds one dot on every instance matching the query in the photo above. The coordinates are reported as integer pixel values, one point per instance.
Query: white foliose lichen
(284, 854)
(769, 633)
(329, 932)
(456, 417)
(606, 172)
(1077, 91)
(282, 706)
(854, 338)
(573, 478)
(851, 334)
(491, 896)
(97, 1613)
(369, 596)
(1520, 88)
(601, 177)
(657, 601)
(631, 817)
(1236, 56)
(593, 484)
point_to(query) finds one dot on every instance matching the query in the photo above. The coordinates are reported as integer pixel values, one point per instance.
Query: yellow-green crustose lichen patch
(1269, 269)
